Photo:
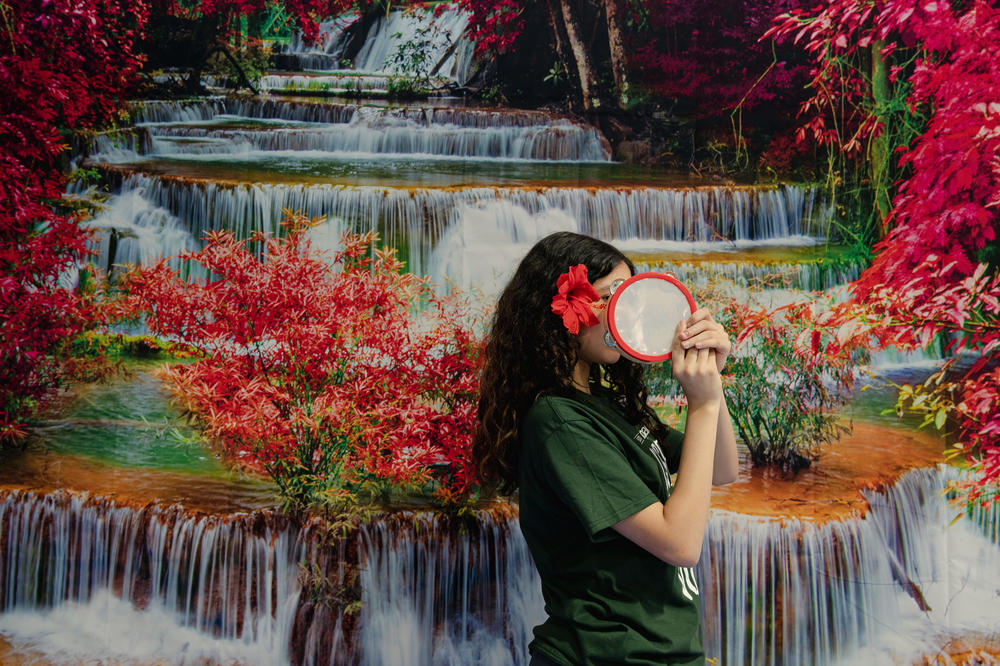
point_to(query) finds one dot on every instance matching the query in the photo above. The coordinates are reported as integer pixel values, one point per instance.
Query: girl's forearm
(726, 466)
(686, 510)
(674, 530)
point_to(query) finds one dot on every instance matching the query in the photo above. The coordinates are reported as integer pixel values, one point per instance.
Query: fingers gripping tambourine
(643, 314)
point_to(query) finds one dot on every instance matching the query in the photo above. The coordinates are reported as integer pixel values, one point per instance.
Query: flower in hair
(573, 300)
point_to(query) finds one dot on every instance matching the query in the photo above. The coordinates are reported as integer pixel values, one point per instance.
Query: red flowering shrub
(928, 278)
(784, 392)
(64, 65)
(784, 396)
(322, 376)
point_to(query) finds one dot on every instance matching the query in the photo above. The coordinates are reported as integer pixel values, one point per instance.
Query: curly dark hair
(529, 353)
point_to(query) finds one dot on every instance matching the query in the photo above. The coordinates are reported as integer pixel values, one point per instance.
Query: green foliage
(413, 59)
(87, 176)
(117, 346)
(402, 87)
(783, 395)
(556, 75)
(493, 95)
(781, 409)
(252, 61)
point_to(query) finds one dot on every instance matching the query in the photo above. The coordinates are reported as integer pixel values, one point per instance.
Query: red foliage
(494, 25)
(708, 52)
(927, 278)
(66, 65)
(321, 376)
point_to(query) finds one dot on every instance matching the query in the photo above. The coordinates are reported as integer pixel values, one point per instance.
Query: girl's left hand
(703, 332)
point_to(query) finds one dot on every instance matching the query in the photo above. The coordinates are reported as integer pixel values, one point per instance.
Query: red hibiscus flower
(573, 301)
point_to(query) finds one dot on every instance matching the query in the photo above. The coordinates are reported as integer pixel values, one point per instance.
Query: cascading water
(75, 567)
(437, 590)
(130, 230)
(485, 237)
(434, 593)
(444, 51)
(223, 127)
(449, 55)
(325, 53)
(423, 219)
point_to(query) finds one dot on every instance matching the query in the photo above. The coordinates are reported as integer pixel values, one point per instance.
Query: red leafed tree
(935, 272)
(494, 25)
(64, 65)
(708, 53)
(321, 375)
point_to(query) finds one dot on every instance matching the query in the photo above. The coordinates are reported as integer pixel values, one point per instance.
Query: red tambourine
(643, 314)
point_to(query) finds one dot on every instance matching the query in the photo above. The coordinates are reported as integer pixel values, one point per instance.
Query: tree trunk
(557, 35)
(205, 36)
(588, 84)
(879, 151)
(616, 45)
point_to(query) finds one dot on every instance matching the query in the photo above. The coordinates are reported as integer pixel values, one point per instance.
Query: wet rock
(634, 152)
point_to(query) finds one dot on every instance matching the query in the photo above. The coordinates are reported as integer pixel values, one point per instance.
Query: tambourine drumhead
(643, 314)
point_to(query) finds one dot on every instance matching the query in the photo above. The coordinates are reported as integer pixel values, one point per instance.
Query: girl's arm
(703, 332)
(727, 464)
(674, 530)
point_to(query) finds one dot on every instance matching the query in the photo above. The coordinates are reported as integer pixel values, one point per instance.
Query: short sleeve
(591, 473)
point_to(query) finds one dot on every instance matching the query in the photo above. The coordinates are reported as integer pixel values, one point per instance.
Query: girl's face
(591, 338)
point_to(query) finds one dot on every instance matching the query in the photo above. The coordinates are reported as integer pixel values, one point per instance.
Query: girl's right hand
(696, 370)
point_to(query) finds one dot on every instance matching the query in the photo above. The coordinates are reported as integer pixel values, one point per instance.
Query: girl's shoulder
(556, 408)
(553, 410)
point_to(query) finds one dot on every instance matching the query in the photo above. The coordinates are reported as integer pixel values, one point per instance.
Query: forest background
(893, 104)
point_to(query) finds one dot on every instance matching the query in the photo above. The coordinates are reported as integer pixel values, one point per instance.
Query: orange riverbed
(871, 456)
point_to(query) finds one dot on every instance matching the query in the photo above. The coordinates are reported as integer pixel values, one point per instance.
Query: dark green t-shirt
(584, 468)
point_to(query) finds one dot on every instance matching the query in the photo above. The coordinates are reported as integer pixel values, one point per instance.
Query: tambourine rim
(622, 345)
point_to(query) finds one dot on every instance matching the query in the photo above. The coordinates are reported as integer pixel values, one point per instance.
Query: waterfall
(344, 83)
(987, 517)
(434, 592)
(219, 126)
(371, 133)
(438, 589)
(131, 230)
(484, 239)
(325, 54)
(790, 592)
(449, 54)
(844, 592)
(441, 33)
(213, 586)
(246, 587)
(417, 219)
(945, 555)
(122, 145)
(204, 109)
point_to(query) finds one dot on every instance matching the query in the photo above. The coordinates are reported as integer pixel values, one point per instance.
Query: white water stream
(84, 579)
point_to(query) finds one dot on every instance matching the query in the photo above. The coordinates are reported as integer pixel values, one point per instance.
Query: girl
(565, 422)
